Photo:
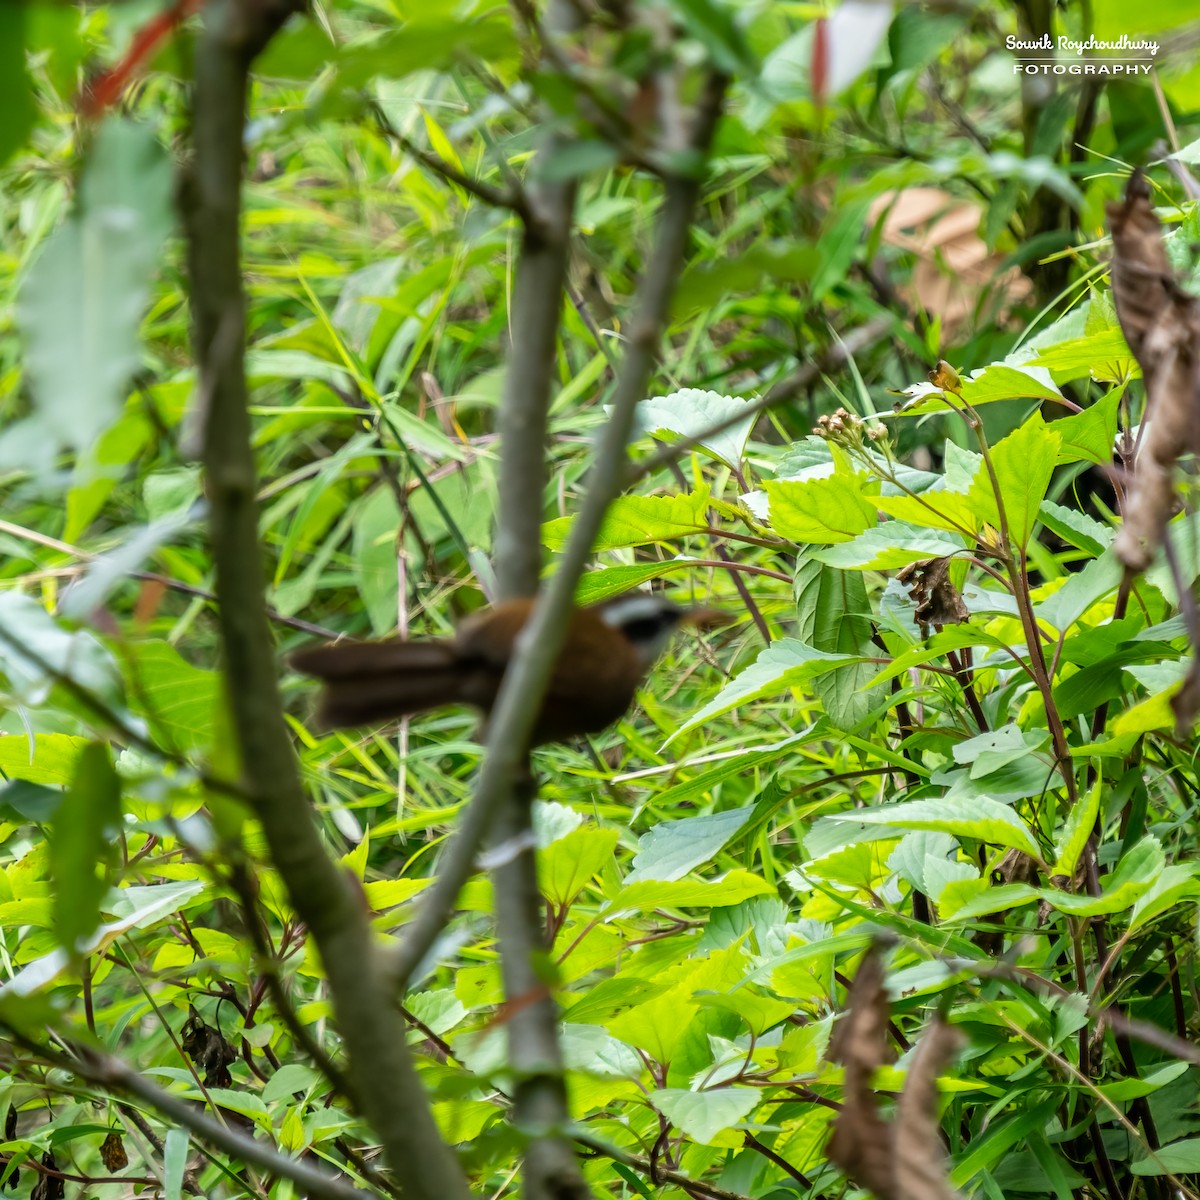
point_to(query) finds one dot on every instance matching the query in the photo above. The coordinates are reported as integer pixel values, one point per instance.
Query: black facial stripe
(646, 629)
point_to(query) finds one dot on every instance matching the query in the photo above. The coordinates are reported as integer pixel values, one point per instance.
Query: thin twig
(526, 679)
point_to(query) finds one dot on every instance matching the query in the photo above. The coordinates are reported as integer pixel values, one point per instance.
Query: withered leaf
(938, 600)
(1161, 323)
(48, 1187)
(920, 1163)
(211, 1053)
(861, 1142)
(112, 1153)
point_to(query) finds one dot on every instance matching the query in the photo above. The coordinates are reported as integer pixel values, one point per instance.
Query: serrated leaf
(784, 664)
(1082, 532)
(887, 547)
(985, 386)
(935, 508)
(567, 865)
(731, 888)
(703, 1115)
(824, 510)
(1138, 870)
(1024, 463)
(638, 520)
(1088, 436)
(690, 411)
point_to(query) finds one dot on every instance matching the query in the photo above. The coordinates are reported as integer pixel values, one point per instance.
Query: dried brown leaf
(861, 1143)
(112, 1153)
(1161, 323)
(920, 1162)
(938, 600)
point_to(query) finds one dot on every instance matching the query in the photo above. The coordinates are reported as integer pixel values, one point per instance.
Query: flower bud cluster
(848, 429)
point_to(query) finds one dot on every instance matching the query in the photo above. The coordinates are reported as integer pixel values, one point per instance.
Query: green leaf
(989, 752)
(732, 888)
(175, 1156)
(1088, 436)
(672, 848)
(81, 304)
(376, 523)
(1138, 870)
(985, 386)
(1080, 591)
(1081, 820)
(22, 801)
(825, 510)
(1179, 1158)
(430, 43)
(17, 107)
(834, 616)
(1080, 531)
(690, 411)
(568, 865)
(980, 818)
(712, 23)
(181, 700)
(705, 284)
(1102, 355)
(888, 547)
(935, 508)
(637, 520)
(1175, 886)
(1024, 462)
(703, 1115)
(84, 838)
(46, 758)
(26, 624)
(784, 664)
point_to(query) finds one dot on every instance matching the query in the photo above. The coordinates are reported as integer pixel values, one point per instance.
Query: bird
(608, 650)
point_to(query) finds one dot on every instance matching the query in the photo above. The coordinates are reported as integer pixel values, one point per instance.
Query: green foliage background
(827, 769)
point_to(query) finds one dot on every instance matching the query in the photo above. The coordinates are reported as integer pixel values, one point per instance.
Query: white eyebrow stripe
(633, 608)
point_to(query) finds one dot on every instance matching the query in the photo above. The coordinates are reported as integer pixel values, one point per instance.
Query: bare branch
(381, 1075)
(525, 682)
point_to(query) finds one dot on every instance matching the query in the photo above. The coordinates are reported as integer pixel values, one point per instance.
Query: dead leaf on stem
(901, 1159)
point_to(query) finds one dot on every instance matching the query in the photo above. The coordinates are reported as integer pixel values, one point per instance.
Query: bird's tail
(367, 682)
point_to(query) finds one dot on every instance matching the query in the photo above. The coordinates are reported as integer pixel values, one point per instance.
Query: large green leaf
(672, 848)
(825, 510)
(691, 411)
(83, 845)
(980, 818)
(1023, 463)
(81, 305)
(703, 1115)
(835, 616)
(638, 520)
(787, 663)
(17, 110)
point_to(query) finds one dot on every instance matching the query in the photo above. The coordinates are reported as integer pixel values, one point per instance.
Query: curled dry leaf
(211, 1053)
(938, 600)
(920, 1157)
(902, 1159)
(113, 1154)
(1161, 323)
